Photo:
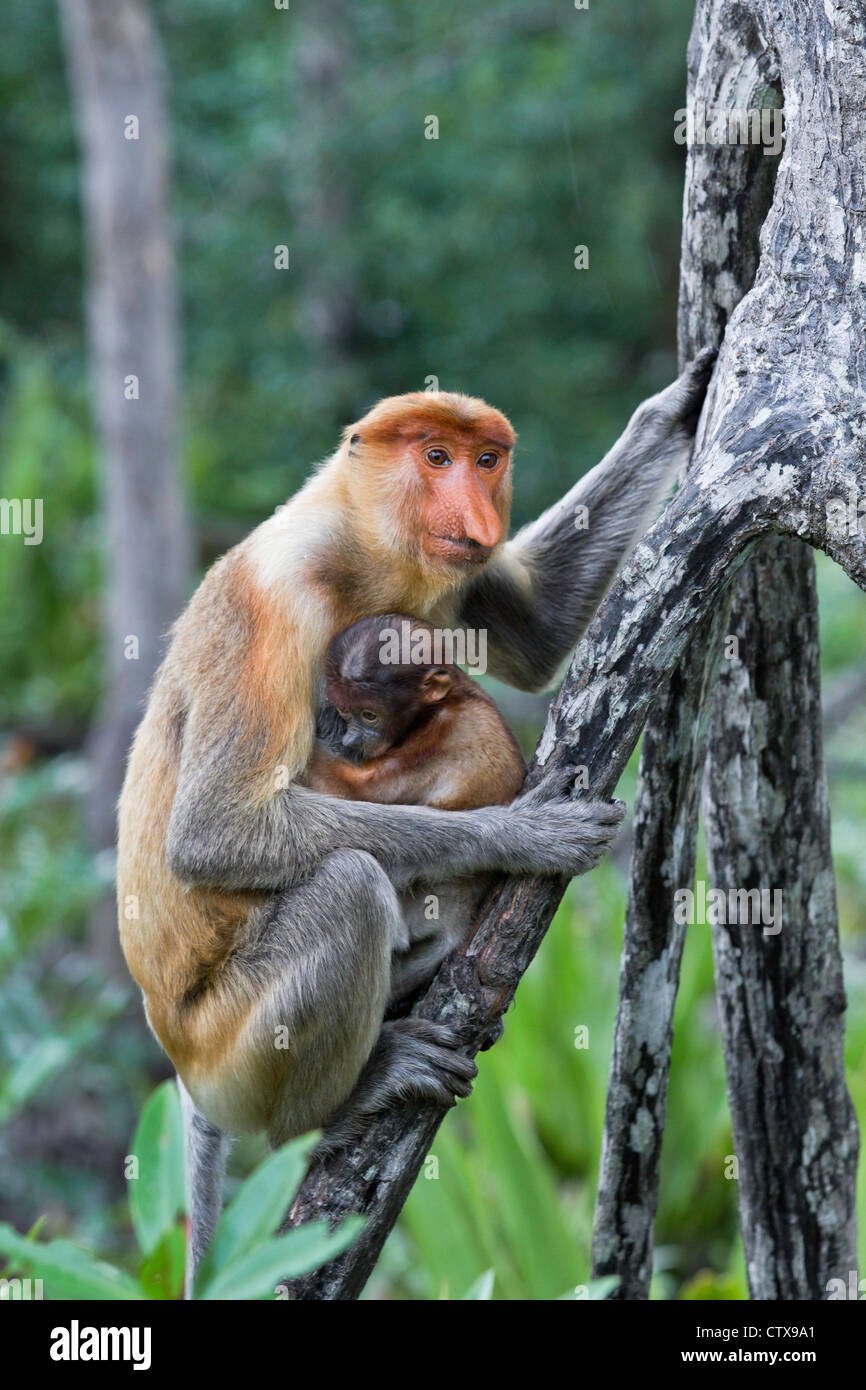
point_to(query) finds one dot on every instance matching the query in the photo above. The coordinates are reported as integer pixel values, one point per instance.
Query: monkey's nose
(352, 739)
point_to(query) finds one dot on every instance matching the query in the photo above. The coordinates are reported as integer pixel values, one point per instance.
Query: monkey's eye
(488, 460)
(437, 457)
(369, 716)
(344, 714)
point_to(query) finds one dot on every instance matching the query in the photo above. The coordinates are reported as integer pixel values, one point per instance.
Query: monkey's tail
(206, 1152)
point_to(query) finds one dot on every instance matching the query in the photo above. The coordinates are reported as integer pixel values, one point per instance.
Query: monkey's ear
(435, 685)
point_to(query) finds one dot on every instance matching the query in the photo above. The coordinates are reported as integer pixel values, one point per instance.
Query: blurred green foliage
(451, 257)
(245, 1260)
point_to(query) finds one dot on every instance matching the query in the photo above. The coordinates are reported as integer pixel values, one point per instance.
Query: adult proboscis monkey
(258, 916)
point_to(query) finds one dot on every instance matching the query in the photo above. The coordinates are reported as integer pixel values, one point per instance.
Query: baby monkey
(413, 733)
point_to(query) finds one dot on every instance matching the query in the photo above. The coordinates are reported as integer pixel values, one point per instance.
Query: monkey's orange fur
(376, 529)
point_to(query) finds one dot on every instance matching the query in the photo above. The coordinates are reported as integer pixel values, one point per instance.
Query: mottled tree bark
(663, 860)
(115, 74)
(781, 996)
(781, 445)
(727, 194)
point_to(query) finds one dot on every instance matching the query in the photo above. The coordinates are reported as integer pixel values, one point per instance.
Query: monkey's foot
(495, 1033)
(413, 1059)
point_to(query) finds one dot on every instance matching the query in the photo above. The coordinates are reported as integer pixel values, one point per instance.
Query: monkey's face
(376, 722)
(380, 684)
(465, 494)
(374, 726)
(431, 472)
(368, 733)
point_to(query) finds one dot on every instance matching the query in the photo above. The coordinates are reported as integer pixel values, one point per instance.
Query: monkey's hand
(330, 728)
(578, 833)
(677, 409)
(561, 836)
(555, 784)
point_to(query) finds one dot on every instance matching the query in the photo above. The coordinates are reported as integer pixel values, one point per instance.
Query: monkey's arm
(537, 596)
(387, 779)
(335, 776)
(229, 829)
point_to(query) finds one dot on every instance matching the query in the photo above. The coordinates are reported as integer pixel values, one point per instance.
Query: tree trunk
(727, 194)
(117, 84)
(663, 860)
(321, 182)
(781, 996)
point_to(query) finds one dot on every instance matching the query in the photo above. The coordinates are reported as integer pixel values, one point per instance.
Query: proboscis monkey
(259, 917)
(413, 732)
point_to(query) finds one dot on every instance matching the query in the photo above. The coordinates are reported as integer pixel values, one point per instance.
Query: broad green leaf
(258, 1207)
(256, 1273)
(482, 1289)
(67, 1270)
(45, 1059)
(162, 1272)
(157, 1196)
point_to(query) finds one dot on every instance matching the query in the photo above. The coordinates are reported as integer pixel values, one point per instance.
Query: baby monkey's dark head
(381, 678)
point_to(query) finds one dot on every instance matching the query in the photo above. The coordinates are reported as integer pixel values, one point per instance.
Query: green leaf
(43, 1061)
(157, 1196)
(67, 1270)
(259, 1206)
(707, 1284)
(256, 1273)
(162, 1272)
(481, 1290)
(538, 1239)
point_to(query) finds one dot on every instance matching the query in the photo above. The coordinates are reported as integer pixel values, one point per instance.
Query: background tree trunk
(321, 184)
(728, 191)
(781, 995)
(663, 860)
(116, 73)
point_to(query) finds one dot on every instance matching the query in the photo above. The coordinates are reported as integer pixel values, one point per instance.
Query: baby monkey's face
(381, 713)
(370, 732)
